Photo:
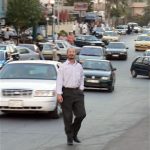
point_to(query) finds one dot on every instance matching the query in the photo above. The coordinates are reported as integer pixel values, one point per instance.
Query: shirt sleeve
(59, 81)
(82, 80)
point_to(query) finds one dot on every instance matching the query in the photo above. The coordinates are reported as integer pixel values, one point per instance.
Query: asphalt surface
(113, 119)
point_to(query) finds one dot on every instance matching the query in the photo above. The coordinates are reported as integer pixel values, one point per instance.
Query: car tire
(133, 73)
(56, 113)
(111, 88)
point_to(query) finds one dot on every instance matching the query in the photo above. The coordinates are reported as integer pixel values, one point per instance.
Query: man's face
(71, 54)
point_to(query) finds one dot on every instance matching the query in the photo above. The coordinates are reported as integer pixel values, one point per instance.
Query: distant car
(147, 52)
(27, 54)
(91, 52)
(122, 29)
(7, 47)
(64, 45)
(110, 36)
(88, 40)
(141, 66)
(98, 32)
(142, 42)
(33, 47)
(29, 86)
(99, 74)
(116, 50)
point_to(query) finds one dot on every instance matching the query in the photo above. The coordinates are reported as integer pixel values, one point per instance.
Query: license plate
(115, 55)
(15, 103)
(93, 81)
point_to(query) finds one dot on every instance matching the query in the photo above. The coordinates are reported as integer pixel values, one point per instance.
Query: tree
(23, 13)
(146, 16)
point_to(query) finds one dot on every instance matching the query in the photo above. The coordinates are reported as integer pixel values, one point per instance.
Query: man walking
(70, 86)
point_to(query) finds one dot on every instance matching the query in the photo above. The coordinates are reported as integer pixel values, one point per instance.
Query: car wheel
(133, 73)
(57, 112)
(111, 89)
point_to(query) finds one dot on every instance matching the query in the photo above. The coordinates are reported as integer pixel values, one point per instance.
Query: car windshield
(28, 71)
(2, 56)
(116, 46)
(143, 38)
(99, 30)
(110, 34)
(96, 65)
(2, 48)
(91, 38)
(88, 51)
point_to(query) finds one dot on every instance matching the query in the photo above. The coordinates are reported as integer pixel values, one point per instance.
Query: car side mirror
(114, 69)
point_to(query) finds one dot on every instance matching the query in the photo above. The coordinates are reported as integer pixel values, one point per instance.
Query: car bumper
(142, 48)
(117, 55)
(28, 104)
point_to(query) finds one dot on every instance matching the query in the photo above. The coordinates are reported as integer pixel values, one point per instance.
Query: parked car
(110, 36)
(140, 66)
(116, 50)
(33, 47)
(99, 74)
(142, 42)
(147, 52)
(27, 54)
(86, 40)
(91, 52)
(29, 86)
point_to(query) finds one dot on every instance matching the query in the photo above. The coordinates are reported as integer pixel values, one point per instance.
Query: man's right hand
(59, 98)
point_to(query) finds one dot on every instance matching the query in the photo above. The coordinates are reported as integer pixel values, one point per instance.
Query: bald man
(70, 86)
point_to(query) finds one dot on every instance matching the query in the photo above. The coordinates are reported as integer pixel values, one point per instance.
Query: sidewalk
(136, 138)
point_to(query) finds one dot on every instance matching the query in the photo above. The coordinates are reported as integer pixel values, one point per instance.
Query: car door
(146, 66)
(24, 54)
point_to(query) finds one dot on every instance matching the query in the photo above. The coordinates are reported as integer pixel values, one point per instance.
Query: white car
(29, 85)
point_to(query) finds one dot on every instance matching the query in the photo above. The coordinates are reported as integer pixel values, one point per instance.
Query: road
(109, 115)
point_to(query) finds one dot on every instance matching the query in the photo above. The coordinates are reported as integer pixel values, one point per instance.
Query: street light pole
(53, 17)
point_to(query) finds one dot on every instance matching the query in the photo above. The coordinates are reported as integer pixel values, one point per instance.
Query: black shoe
(76, 139)
(69, 141)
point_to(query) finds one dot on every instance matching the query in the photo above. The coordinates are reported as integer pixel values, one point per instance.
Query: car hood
(97, 73)
(142, 42)
(95, 41)
(27, 84)
(115, 50)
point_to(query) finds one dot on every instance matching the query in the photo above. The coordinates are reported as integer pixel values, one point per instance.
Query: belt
(69, 88)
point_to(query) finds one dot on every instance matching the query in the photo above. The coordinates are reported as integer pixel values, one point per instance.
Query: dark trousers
(73, 107)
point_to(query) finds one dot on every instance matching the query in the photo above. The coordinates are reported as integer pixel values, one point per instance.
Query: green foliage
(23, 13)
(62, 32)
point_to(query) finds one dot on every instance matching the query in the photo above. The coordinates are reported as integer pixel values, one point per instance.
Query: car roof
(35, 62)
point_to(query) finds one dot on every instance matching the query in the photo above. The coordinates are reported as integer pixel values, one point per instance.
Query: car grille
(92, 77)
(16, 92)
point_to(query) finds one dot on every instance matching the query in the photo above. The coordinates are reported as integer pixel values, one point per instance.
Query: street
(109, 115)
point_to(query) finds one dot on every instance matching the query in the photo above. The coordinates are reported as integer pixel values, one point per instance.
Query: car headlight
(44, 93)
(105, 78)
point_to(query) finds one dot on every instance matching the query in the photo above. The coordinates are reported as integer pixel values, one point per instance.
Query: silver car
(27, 54)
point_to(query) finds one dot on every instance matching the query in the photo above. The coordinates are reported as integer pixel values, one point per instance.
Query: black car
(116, 50)
(85, 40)
(99, 74)
(141, 66)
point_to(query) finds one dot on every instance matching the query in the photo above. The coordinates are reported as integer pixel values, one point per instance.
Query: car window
(2, 47)
(60, 45)
(146, 61)
(47, 47)
(78, 38)
(91, 51)
(116, 45)
(96, 65)
(23, 51)
(2, 55)
(29, 71)
(139, 60)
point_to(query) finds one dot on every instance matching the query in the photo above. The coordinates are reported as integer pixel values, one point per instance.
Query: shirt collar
(68, 62)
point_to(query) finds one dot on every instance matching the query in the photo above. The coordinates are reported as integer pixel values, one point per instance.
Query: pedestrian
(70, 86)
(71, 38)
(7, 34)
